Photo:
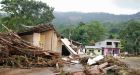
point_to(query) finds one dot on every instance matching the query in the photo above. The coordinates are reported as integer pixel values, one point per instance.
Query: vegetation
(25, 12)
(131, 37)
(88, 33)
(113, 29)
(76, 17)
(19, 13)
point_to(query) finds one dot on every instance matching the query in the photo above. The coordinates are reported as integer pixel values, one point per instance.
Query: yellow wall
(42, 40)
(94, 51)
(54, 42)
(47, 42)
(36, 39)
(50, 41)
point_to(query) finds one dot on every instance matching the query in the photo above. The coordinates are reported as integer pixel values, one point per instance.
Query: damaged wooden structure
(46, 37)
(14, 51)
(13, 48)
(38, 44)
(73, 47)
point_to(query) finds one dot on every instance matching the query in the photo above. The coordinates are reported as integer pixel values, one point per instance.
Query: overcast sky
(109, 6)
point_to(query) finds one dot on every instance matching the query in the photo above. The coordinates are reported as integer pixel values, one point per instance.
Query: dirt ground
(40, 71)
(133, 62)
(33, 71)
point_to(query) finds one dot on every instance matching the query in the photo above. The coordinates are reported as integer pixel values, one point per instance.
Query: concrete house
(93, 50)
(109, 46)
(44, 36)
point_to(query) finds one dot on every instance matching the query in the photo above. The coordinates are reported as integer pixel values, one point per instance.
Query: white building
(109, 46)
(109, 43)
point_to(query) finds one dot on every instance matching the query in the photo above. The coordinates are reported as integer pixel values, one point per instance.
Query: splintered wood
(12, 45)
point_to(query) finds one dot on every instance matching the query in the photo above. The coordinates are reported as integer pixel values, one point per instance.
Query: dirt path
(133, 62)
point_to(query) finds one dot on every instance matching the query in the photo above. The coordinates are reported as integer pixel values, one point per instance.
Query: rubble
(103, 66)
(16, 52)
(94, 60)
(75, 61)
(78, 73)
(94, 71)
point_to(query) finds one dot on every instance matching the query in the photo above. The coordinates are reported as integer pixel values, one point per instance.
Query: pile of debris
(99, 65)
(16, 51)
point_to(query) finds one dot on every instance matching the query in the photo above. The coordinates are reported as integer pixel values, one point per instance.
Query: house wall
(28, 38)
(110, 46)
(54, 41)
(51, 41)
(103, 44)
(105, 51)
(59, 45)
(47, 40)
(43, 41)
(111, 51)
(92, 51)
(98, 52)
(36, 39)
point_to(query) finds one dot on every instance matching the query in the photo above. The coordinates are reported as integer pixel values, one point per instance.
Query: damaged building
(46, 37)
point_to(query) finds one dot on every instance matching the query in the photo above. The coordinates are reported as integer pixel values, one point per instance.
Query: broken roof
(38, 29)
(75, 42)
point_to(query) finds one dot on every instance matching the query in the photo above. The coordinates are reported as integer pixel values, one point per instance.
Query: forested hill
(62, 18)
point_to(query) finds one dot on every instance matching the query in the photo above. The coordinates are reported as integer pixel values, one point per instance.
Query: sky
(107, 6)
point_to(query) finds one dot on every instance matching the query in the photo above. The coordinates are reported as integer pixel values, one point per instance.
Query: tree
(25, 12)
(131, 37)
(95, 31)
(113, 29)
(86, 33)
(80, 34)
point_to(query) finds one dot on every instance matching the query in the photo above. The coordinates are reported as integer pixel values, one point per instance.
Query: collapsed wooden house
(12, 44)
(44, 36)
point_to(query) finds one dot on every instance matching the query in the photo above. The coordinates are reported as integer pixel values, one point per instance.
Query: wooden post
(7, 28)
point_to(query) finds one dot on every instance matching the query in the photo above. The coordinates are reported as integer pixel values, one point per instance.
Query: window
(116, 44)
(109, 43)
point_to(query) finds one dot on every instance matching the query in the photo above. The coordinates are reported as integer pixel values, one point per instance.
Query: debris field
(15, 52)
